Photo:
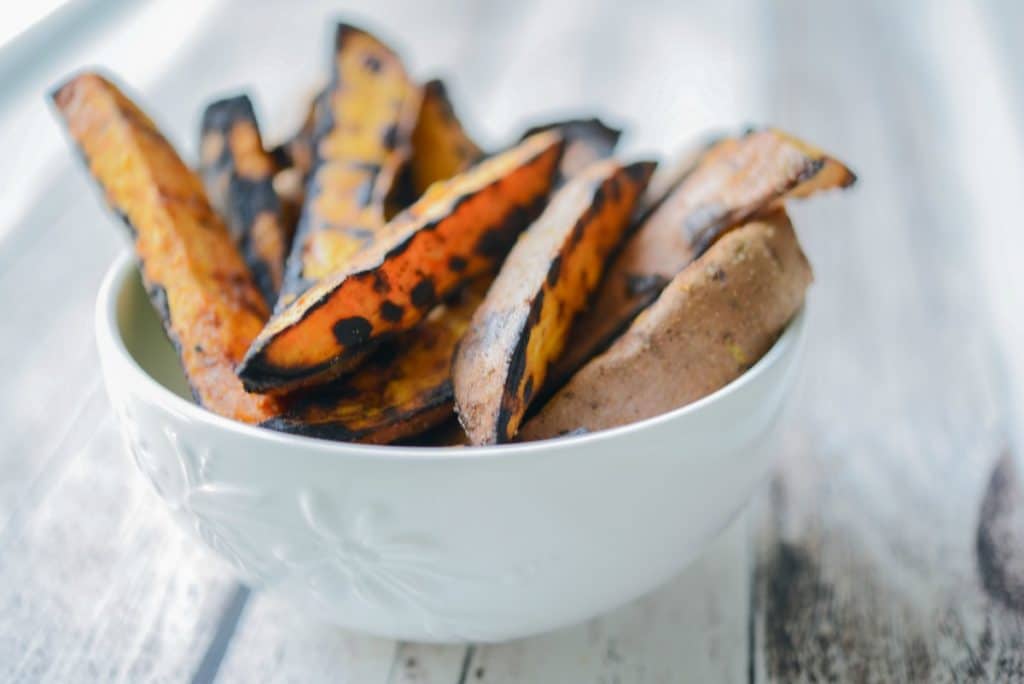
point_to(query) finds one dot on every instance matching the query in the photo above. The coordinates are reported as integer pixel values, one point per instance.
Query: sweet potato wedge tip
(546, 280)
(239, 179)
(460, 229)
(440, 146)
(194, 274)
(402, 389)
(361, 141)
(733, 180)
(710, 324)
(586, 141)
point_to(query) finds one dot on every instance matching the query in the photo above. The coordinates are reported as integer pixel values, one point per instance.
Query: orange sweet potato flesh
(522, 325)
(733, 180)
(362, 140)
(239, 179)
(402, 390)
(441, 147)
(713, 321)
(194, 274)
(460, 229)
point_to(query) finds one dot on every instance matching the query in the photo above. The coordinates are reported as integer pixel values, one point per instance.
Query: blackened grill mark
(352, 331)
(391, 312)
(380, 282)
(423, 294)
(614, 190)
(810, 170)
(457, 264)
(640, 172)
(390, 140)
(554, 270)
(528, 390)
(516, 369)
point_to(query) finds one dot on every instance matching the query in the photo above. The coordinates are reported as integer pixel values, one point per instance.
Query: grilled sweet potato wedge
(546, 280)
(403, 389)
(239, 179)
(586, 141)
(734, 179)
(460, 229)
(194, 274)
(441, 147)
(361, 142)
(710, 324)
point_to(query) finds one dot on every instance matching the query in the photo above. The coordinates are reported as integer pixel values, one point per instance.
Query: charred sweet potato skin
(361, 141)
(402, 390)
(239, 179)
(194, 274)
(523, 323)
(709, 325)
(733, 180)
(462, 228)
(441, 147)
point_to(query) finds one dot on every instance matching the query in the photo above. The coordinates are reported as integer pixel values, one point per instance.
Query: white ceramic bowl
(441, 544)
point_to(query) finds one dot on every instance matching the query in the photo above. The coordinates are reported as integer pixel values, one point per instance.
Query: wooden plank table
(889, 545)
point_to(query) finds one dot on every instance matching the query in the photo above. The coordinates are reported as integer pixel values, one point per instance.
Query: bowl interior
(144, 337)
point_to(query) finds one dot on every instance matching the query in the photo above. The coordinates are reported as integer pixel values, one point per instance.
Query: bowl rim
(108, 336)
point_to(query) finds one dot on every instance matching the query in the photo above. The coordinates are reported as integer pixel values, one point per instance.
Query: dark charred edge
(997, 539)
(640, 172)
(262, 377)
(402, 193)
(811, 169)
(438, 91)
(849, 177)
(592, 129)
(246, 198)
(716, 224)
(281, 155)
(435, 408)
(247, 201)
(335, 432)
(510, 402)
(554, 270)
(158, 298)
(222, 114)
(253, 367)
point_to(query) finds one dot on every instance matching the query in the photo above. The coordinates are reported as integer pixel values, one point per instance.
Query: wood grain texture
(868, 565)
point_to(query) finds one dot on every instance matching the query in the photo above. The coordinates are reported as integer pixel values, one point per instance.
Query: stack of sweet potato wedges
(379, 273)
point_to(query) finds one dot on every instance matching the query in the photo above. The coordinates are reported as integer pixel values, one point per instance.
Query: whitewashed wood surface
(889, 545)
